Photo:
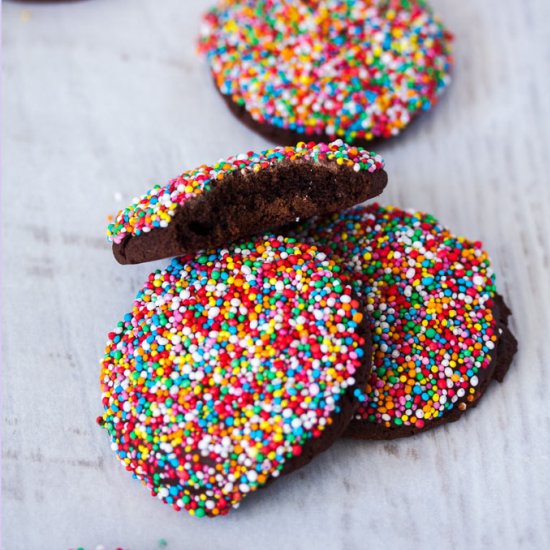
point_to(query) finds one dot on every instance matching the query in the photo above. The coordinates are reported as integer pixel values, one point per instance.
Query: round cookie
(234, 367)
(242, 196)
(360, 70)
(439, 328)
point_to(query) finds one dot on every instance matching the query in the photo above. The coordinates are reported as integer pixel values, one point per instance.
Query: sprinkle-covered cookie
(242, 196)
(320, 69)
(233, 367)
(439, 328)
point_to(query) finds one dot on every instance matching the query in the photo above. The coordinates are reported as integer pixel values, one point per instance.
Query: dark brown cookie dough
(244, 196)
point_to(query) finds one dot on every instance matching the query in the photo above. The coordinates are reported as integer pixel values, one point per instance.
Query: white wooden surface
(103, 98)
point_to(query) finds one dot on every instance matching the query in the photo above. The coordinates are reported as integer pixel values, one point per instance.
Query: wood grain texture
(103, 98)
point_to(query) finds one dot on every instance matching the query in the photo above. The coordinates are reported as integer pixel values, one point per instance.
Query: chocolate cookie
(242, 196)
(315, 70)
(440, 330)
(234, 367)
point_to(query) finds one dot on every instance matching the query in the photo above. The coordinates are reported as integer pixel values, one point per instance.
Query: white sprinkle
(213, 312)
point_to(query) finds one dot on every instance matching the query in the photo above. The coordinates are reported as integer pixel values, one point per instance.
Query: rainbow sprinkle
(228, 363)
(355, 69)
(429, 298)
(156, 208)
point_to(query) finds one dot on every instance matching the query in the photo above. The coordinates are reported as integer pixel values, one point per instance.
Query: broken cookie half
(242, 196)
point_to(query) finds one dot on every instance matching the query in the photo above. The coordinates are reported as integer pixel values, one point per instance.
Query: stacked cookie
(290, 317)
